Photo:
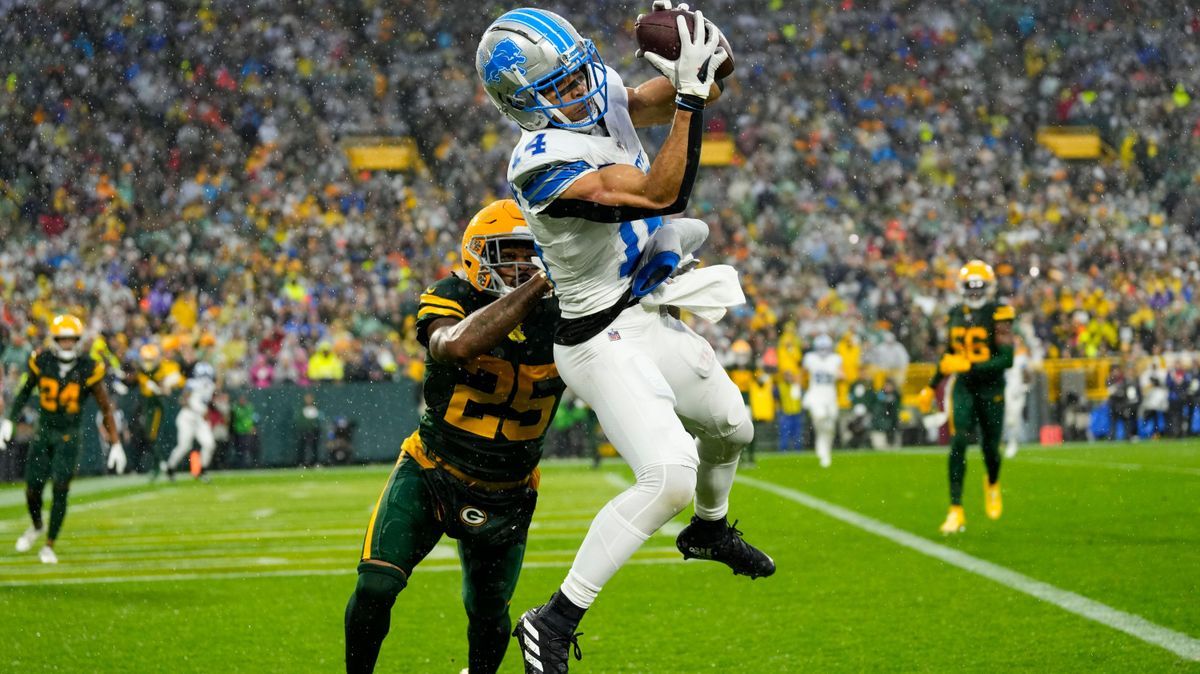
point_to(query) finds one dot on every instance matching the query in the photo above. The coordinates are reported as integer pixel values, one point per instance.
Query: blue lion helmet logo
(506, 56)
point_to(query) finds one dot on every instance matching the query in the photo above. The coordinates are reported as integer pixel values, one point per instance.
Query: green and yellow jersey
(153, 388)
(489, 416)
(972, 335)
(61, 391)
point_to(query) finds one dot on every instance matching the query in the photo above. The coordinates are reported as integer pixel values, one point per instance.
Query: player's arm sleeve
(438, 301)
(26, 390)
(588, 210)
(541, 186)
(97, 374)
(1002, 356)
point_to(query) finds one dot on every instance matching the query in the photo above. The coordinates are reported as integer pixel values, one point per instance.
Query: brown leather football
(656, 32)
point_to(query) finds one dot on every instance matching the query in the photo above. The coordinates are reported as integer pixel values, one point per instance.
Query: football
(656, 32)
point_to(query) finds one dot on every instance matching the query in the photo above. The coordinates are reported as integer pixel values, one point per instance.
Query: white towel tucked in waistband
(706, 292)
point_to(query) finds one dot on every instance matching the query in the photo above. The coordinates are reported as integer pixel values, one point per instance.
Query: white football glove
(664, 5)
(699, 57)
(6, 429)
(116, 458)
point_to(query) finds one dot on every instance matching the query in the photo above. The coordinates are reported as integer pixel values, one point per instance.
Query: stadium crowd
(172, 172)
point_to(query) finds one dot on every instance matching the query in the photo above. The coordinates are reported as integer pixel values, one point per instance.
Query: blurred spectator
(1124, 397)
(1155, 399)
(859, 421)
(885, 416)
(791, 418)
(325, 365)
(341, 441)
(307, 425)
(762, 409)
(244, 426)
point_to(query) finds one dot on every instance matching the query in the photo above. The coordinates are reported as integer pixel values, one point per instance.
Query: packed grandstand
(176, 173)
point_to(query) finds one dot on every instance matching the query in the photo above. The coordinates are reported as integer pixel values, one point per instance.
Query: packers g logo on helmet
(499, 225)
(65, 327)
(977, 282)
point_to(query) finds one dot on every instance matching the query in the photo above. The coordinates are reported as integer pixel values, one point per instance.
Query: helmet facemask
(503, 262)
(547, 94)
(976, 293)
(62, 350)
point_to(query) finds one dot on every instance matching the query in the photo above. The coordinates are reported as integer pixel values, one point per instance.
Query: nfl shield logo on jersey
(613, 336)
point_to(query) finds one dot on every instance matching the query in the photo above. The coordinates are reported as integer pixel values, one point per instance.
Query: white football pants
(823, 411)
(654, 383)
(191, 425)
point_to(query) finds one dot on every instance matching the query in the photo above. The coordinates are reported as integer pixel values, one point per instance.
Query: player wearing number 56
(470, 470)
(63, 376)
(978, 351)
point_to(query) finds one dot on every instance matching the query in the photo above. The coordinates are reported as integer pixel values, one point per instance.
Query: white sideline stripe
(16, 495)
(1115, 465)
(23, 521)
(1136, 626)
(286, 573)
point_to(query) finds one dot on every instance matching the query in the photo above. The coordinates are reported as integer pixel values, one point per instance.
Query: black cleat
(544, 648)
(722, 542)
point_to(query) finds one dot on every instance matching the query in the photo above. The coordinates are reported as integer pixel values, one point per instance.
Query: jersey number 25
(486, 425)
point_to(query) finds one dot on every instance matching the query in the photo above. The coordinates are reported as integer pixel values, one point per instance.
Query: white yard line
(1113, 465)
(1136, 626)
(348, 571)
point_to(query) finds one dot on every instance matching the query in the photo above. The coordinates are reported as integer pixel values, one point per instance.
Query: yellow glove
(954, 364)
(925, 400)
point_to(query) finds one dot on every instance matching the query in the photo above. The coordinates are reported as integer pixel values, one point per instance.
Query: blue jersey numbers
(537, 145)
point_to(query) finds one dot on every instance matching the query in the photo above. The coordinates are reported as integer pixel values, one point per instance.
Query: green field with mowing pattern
(251, 573)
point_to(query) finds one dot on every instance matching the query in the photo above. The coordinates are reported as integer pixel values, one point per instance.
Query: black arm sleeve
(588, 210)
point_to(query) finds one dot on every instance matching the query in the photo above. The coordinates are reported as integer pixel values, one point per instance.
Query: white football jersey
(199, 393)
(824, 370)
(589, 262)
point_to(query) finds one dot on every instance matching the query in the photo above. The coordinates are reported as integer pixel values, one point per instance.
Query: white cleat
(46, 554)
(27, 539)
(1010, 452)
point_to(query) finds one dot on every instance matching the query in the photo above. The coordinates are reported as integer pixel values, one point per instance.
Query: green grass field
(252, 572)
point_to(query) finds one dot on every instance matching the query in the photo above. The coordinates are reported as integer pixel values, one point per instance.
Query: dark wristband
(689, 103)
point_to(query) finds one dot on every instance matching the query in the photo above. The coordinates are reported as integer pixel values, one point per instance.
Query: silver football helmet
(528, 58)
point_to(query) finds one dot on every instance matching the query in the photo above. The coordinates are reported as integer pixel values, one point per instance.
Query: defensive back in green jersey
(61, 394)
(488, 418)
(972, 335)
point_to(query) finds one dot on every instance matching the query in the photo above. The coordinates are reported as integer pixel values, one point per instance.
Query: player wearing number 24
(63, 377)
(470, 471)
(979, 350)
